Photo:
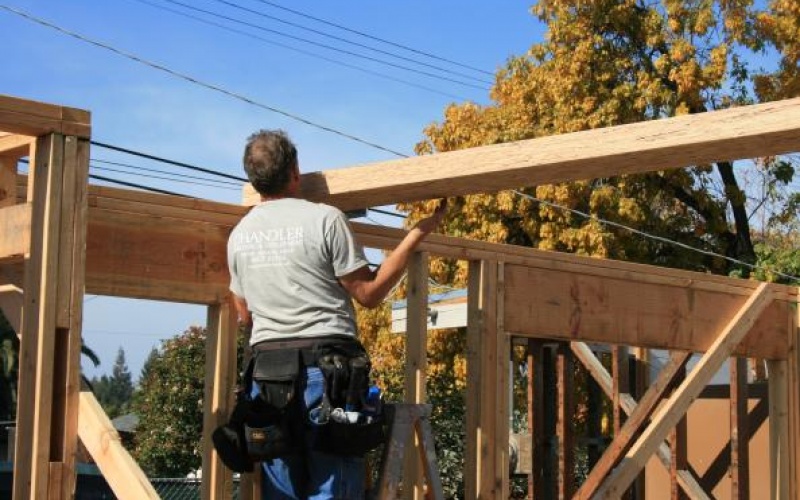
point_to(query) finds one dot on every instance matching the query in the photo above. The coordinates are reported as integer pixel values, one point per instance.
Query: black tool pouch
(270, 429)
(229, 438)
(345, 368)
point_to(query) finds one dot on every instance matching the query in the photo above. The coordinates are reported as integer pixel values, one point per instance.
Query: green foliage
(169, 404)
(115, 392)
(9, 351)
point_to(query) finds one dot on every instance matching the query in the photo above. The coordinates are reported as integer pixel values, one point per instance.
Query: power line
(341, 39)
(165, 160)
(154, 170)
(193, 80)
(366, 35)
(322, 45)
(134, 185)
(300, 51)
(660, 239)
(159, 177)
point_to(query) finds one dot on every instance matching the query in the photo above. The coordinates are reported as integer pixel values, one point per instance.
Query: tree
(611, 62)
(114, 393)
(169, 404)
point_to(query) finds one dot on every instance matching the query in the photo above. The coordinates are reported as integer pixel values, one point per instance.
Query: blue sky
(140, 108)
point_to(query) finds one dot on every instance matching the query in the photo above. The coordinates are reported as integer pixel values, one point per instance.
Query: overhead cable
(134, 185)
(159, 177)
(301, 51)
(221, 183)
(322, 45)
(372, 37)
(193, 80)
(344, 40)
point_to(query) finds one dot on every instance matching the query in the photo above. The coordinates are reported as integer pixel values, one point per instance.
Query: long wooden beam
(26, 117)
(732, 134)
(15, 145)
(677, 405)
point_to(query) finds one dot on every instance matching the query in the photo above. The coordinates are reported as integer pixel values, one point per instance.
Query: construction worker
(295, 266)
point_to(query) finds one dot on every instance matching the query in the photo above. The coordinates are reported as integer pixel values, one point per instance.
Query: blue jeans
(315, 475)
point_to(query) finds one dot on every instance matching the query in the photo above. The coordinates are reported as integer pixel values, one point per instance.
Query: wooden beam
(565, 414)
(25, 117)
(502, 391)
(220, 381)
(572, 306)
(119, 469)
(629, 430)
(679, 402)
(416, 364)
(8, 180)
(481, 362)
(732, 134)
(679, 452)
(15, 145)
(536, 418)
(15, 226)
(779, 442)
(740, 433)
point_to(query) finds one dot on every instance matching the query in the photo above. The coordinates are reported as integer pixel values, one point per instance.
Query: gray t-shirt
(285, 257)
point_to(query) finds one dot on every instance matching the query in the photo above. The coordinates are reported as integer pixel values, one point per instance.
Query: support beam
(119, 469)
(780, 453)
(502, 392)
(740, 433)
(15, 222)
(416, 364)
(220, 381)
(679, 402)
(25, 117)
(623, 439)
(732, 134)
(536, 418)
(15, 145)
(481, 362)
(565, 414)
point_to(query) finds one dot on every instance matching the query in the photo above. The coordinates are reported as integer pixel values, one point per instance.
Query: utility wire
(134, 185)
(652, 236)
(193, 80)
(154, 170)
(159, 177)
(322, 45)
(372, 37)
(165, 160)
(300, 51)
(341, 39)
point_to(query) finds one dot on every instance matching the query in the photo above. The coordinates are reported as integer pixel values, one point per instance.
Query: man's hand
(430, 223)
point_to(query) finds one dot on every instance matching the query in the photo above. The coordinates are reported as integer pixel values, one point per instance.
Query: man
(295, 266)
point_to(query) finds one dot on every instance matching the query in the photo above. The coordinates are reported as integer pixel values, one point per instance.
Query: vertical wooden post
(779, 452)
(740, 463)
(502, 391)
(621, 382)
(550, 411)
(793, 363)
(47, 411)
(565, 415)
(416, 364)
(220, 380)
(481, 362)
(536, 419)
(8, 180)
(677, 444)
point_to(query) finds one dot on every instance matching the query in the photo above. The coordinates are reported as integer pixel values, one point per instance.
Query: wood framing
(67, 237)
(732, 134)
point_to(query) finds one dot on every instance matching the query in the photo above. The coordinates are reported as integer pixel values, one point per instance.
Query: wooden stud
(638, 418)
(679, 402)
(740, 433)
(536, 418)
(15, 220)
(35, 388)
(731, 134)
(620, 376)
(678, 449)
(8, 180)
(120, 471)
(220, 381)
(416, 363)
(502, 390)
(565, 416)
(779, 452)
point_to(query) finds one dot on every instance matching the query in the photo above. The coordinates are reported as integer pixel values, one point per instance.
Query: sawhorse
(405, 419)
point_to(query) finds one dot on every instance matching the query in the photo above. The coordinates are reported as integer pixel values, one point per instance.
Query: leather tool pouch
(270, 430)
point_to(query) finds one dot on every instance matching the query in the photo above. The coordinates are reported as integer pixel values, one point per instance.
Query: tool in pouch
(347, 422)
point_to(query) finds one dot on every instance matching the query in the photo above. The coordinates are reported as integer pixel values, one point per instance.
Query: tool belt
(271, 424)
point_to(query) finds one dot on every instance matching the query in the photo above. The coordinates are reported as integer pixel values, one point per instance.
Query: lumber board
(737, 133)
(8, 180)
(640, 415)
(119, 469)
(677, 405)
(11, 305)
(565, 414)
(416, 365)
(26, 117)
(15, 226)
(154, 257)
(220, 381)
(740, 432)
(502, 388)
(572, 306)
(779, 441)
(16, 145)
